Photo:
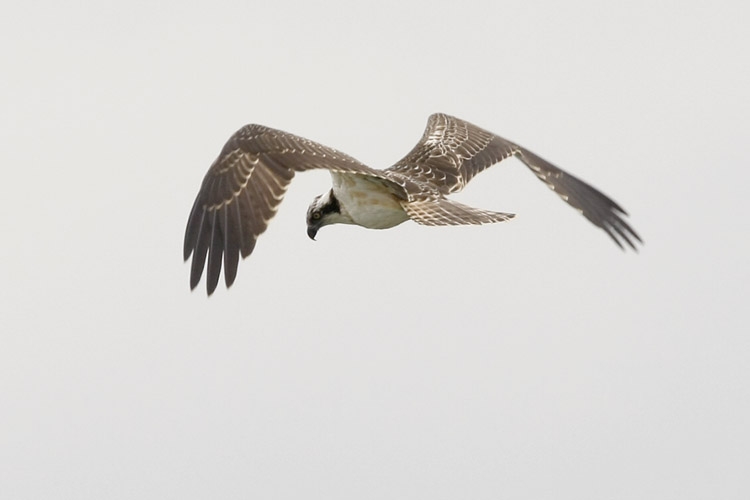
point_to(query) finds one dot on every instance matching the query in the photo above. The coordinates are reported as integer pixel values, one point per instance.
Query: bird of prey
(244, 186)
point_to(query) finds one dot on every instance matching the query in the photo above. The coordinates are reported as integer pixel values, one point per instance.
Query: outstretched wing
(452, 151)
(242, 191)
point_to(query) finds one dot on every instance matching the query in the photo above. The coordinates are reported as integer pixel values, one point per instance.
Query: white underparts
(367, 201)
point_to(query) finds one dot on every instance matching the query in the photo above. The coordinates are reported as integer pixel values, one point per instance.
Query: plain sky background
(529, 360)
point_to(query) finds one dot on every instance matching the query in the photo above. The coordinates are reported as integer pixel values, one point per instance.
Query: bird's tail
(445, 212)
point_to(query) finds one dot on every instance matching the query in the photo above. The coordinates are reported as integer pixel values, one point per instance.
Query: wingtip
(194, 280)
(633, 246)
(626, 234)
(230, 276)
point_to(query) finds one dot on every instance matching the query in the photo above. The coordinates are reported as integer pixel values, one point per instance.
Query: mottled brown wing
(242, 191)
(452, 151)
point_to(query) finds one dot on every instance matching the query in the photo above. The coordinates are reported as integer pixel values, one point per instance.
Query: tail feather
(445, 212)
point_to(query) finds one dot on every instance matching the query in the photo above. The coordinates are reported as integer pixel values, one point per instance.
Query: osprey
(243, 188)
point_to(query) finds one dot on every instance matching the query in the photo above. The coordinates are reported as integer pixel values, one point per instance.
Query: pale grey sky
(530, 359)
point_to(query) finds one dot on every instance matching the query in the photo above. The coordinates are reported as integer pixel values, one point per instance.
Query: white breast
(368, 201)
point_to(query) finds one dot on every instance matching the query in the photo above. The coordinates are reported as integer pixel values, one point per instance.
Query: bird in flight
(244, 186)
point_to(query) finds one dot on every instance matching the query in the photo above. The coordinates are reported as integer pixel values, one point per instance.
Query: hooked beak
(312, 231)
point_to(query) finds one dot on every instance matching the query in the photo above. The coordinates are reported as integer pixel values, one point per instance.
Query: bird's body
(368, 201)
(243, 188)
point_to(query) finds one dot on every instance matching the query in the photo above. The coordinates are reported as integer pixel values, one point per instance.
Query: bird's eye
(316, 215)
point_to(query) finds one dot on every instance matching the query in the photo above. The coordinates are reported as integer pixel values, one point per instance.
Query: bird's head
(324, 209)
